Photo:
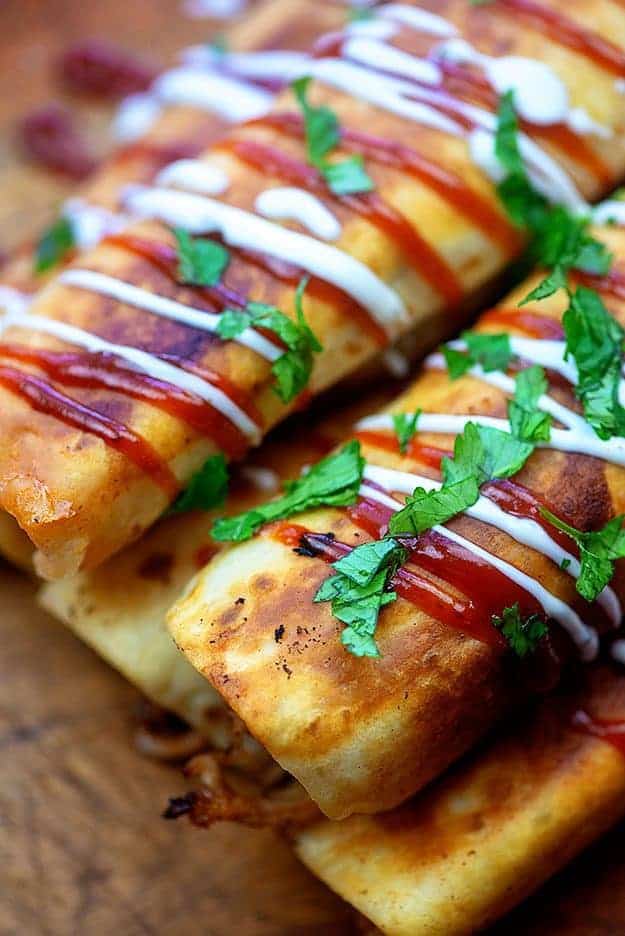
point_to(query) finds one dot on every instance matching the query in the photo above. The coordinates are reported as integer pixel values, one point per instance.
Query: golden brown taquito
(361, 735)
(80, 499)
(459, 856)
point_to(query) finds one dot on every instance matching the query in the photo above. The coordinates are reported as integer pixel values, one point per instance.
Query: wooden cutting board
(82, 848)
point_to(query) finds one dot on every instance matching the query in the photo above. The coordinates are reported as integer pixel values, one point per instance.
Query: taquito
(456, 858)
(99, 439)
(363, 734)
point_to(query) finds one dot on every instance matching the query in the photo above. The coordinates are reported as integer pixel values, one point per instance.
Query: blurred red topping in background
(51, 139)
(100, 68)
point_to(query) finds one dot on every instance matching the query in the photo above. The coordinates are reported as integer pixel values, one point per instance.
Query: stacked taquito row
(456, 857)
(363, 734)
(427, 240)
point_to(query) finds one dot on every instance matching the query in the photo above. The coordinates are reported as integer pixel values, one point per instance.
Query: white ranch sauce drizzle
(135, 116)
(90, 223)
(296, 204)
(522, 529)
(414, 102)
(585, 638)
(264, 479)
(419, 20)
(496, 379)
(540, 95)
(12, 301)
(231, 99)
(277, 64)
(143, 361)
(194, 175)
(388, 58)
(241, 228)
(562, 440)
(213, 9)
(165, 308)
(611, 211)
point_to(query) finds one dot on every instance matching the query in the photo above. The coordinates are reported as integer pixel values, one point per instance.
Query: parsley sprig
(490, 351)
(332, 482)
(522, 634)
(293, 368)
(405, 425)
(207, 488)
(201, 262)
(598, 550)
(560, 240)
(359, 589)
(323, 134)
(55, 245)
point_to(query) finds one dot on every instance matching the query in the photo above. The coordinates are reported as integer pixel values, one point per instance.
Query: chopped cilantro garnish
(358, 13)
(405, 425)
(485, 453)
(527, 422)
(560, 240)
(523, 635)
(292, 369)
(207, 488)
(201, 262)
(323, 134)
(481, 454)
(491, 352)
(594, 339)
(359, 590)
(218, 44)
(332, 482)
(57, 242)
(425, 509)
(598, 551)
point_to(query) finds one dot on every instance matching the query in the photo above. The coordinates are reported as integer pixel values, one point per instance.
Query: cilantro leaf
(484, 453)
(358, 13)
(57, 242)
(425, 509)
(492, 352)
(323, 134)
(201, 262)
(405, 425)
(527, 422)
(207, 488)
(561, 243)
(332, 482)
(358, 591)
(594, 339)
(293, 368)
(348, 177)
(507, 148)
(523, 636)
(598, 551)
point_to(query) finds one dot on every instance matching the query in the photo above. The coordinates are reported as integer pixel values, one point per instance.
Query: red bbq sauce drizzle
(534, 325)
(478, 209)
(613, 284)
(424, 258)
(44, 398)
(568, 33)
(102, 69)
(423, 592)
(220, 296)
(429, 455)
(103, 371)
(611, 730)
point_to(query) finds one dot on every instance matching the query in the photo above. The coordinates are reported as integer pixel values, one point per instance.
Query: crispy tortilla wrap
(460, 855)
(362, 735)
(85, 469)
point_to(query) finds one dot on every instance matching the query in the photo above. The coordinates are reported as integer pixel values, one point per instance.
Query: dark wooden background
(82, 847)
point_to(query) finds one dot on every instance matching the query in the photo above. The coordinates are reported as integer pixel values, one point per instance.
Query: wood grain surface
(82, 848)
